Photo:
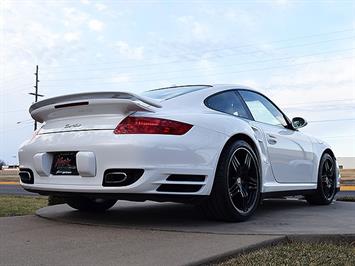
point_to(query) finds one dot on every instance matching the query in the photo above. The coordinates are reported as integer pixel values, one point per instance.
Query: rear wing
(91, 104)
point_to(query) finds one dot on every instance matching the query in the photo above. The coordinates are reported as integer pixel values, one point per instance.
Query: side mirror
(298, 122)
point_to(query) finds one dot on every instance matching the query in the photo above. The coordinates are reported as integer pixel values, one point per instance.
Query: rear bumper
(195, 153)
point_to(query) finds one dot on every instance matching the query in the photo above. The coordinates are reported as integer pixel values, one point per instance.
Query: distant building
(346, 162)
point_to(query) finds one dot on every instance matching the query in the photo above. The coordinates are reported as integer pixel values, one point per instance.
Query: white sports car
(221, 147)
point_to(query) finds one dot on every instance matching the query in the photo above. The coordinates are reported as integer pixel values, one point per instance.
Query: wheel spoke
(243, 180)
(235, 163)
(247, 161)
(244, 204)
(234, 190)
(243, 192)
(324, 179)
(252, 183)
(326, 166)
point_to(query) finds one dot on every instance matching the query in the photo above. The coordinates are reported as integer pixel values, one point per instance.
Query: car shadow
(168, 215)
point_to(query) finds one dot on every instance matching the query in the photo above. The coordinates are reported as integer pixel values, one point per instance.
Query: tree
(2, 163)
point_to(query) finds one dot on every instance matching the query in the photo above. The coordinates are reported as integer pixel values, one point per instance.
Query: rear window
(168, 93)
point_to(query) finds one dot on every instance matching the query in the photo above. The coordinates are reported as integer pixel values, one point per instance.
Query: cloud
(197, 29)
(72, 36)
(240, 16)
(74, 17)
(96, 25)
(129, 52)
(100, 7)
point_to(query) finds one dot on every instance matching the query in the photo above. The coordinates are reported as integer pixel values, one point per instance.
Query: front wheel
(326, 188)
(90, 204)
(236, 190)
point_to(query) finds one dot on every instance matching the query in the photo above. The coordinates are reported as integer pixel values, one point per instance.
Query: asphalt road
(18, 190)
(14, 190)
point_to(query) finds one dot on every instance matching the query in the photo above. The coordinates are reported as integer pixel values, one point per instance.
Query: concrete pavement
(273, 217)
(160, 233)
(31, 240)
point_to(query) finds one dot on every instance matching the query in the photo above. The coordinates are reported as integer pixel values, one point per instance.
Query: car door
(290, 152)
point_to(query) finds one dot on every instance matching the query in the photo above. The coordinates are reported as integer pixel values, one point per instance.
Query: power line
(193, 59)
(332, 120)
(335, 137)
(225, 65)
(225, 72)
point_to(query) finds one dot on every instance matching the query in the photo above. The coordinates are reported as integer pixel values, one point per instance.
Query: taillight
(150, 125)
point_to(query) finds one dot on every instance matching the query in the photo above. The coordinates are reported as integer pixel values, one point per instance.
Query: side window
(227, 102)
(262, 109)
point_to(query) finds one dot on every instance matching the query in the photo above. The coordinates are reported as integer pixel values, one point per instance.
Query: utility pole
(36, 93)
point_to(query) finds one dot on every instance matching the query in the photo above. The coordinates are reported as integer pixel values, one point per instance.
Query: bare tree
(2, 163)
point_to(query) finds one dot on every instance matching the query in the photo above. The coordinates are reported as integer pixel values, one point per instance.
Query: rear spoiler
(123, 102)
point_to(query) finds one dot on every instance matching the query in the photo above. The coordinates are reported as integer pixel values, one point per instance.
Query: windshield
(168, 93)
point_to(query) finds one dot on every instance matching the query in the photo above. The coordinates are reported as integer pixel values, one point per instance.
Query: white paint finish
(293, 160)
(159, 155)
(42, 163)
(290, 154)
(86, 163)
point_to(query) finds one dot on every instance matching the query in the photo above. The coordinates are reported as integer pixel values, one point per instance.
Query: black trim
(278, 194)
(124, 196)
(184, 188)
(71, 104)
(184, 178)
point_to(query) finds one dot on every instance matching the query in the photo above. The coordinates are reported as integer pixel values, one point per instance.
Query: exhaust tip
(26, 176)
(121, 177)
(115, 177)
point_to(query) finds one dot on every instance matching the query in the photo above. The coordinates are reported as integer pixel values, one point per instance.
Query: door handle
(271, 139)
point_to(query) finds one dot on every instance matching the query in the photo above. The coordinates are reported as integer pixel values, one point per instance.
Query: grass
(298, 253)
(21, 205)
(346, 198)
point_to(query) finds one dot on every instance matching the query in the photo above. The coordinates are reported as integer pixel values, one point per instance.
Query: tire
(90, 204)
(326, 186)
(236, 192)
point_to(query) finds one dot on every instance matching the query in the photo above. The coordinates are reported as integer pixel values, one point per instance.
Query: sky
(301, 54)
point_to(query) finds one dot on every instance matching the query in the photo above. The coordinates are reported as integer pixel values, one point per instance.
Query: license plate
(64, 163)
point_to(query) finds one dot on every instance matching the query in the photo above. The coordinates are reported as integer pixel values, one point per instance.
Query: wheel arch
(250, 141)
(330, 152)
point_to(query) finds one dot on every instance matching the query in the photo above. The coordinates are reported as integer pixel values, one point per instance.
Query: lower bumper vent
(178, 188)
(189, 178)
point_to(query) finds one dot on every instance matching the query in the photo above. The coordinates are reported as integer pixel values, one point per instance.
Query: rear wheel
(91, 204)
(326, 188)
(236, 190)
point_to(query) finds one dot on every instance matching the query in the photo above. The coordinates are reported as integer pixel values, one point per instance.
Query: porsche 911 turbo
(221, 147)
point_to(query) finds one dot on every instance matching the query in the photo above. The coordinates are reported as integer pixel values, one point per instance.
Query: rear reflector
(150, 125)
